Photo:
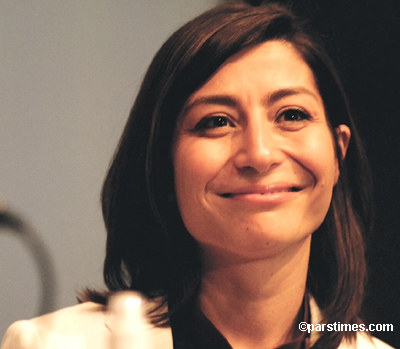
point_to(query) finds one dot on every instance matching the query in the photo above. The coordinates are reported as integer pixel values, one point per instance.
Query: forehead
(272, 65)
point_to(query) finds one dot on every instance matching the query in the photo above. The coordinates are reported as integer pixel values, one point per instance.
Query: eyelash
(293, 114)
(289, 115)
(204, 124)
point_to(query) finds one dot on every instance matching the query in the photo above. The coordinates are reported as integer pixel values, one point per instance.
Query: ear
(343, 135)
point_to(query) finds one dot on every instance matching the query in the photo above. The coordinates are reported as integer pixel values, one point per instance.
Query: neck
(255, 303)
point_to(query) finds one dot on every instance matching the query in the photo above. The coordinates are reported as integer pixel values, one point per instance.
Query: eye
(293, 119)
(293, 115)
(213, 122)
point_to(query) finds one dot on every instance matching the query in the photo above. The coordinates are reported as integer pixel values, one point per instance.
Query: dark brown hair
(148, 247)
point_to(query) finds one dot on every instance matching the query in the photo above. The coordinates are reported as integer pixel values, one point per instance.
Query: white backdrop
(69, 71)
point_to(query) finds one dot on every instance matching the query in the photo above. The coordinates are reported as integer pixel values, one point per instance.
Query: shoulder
(72, 327)
(83, 326)
(364, 341)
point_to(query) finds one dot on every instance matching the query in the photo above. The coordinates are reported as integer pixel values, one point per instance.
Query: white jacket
(89, 326)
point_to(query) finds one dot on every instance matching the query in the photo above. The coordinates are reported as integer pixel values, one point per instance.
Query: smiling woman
(238, 195)
(253, 147)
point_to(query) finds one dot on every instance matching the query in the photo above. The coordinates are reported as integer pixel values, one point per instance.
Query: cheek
(321, 162)
(196, 162)
(316, 153)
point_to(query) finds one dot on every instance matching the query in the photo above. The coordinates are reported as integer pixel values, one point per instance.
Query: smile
(266, 196)
(262, 192)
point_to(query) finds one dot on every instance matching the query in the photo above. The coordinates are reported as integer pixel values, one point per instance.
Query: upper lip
(262, 189)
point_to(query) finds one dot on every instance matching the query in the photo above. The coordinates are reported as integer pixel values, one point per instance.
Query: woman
(237, 197)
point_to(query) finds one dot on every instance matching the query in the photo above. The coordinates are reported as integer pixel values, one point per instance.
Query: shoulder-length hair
(148, 247)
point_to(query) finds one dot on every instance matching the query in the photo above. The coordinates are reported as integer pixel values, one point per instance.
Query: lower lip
(264, 199)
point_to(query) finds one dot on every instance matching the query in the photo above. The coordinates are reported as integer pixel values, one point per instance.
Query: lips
(262, 190)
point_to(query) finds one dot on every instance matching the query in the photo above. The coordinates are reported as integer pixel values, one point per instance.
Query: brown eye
(211, 122)
(293, 115)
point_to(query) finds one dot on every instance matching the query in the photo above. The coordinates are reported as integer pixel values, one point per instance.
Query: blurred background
(69, 72)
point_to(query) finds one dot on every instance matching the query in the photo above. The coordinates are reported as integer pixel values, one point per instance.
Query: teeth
(275, 191)
(293, 189)
(280, 191)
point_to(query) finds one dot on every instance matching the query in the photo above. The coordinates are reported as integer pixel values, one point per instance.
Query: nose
(258, 148)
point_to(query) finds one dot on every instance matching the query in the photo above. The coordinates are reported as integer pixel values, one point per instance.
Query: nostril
(255, 152)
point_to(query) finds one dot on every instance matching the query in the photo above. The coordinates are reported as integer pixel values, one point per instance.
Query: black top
(191, 329)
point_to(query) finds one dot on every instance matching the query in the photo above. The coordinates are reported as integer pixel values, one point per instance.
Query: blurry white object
(130, 325)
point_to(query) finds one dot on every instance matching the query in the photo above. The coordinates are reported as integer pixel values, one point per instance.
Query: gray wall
(69, 71)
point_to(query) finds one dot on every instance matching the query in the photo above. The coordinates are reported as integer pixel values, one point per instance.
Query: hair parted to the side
(148, 247)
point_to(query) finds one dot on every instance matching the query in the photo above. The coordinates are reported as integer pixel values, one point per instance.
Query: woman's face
(254, 156)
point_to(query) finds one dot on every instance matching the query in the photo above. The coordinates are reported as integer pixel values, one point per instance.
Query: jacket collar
(164, 335)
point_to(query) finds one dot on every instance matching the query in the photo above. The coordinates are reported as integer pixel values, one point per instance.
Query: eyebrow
(231, 101)
(287, 92)
(226, 100)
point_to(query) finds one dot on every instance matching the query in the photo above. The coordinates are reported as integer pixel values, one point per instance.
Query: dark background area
(363, 38)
